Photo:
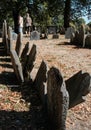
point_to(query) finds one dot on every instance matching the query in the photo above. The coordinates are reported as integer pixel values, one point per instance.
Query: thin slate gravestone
(24, 56)
(78, 86)
(35, 35)
(10, 40)
(5, 37)
(17, 66)
(82, 36)
(30, 62)
(40, 80)
(58, 99)
(18, 44)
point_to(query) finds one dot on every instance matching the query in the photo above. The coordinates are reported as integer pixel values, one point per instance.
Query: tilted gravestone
(17, 66)
(88, 41)
(35, 35)
(82, 36)
(58, 99)
(30, 62)
(10, 40)
(40, 80)
(78, 86)
(24, 55)
(19, 44)
(5, 37)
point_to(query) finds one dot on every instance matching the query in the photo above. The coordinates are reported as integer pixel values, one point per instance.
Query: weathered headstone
(14, 35)
(35, 35)
(40, 80)
(19, 44)
(58, 99)
(30, 62)
(52, 29)
(68, 32)
(17, 66)
(24, 56)
(78, 86)
(5, 37)
(10, 40)
(88, 41)
(82, 36)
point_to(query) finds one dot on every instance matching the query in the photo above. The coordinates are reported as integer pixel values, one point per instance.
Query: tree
(75, 9)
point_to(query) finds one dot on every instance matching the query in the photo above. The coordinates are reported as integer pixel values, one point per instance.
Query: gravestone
(10, 40)
(82, 36)
(30, 62)
(58, 99)
(5, 37)
(78, 86)
(52, 29)
(19, 44)
(24, 55)
(14, 35)
(40, 80)
(17, 66)
(35, 35)
(69, 32)
(88, 41)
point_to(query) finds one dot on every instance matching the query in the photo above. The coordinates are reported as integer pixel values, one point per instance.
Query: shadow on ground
(35, 118)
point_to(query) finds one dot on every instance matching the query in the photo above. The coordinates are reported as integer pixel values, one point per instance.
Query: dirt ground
(69, 59)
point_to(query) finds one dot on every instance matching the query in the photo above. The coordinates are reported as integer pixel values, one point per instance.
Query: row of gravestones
(79, 37)
(56, 94)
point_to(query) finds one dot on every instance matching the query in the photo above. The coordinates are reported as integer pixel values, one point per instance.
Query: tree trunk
(67, 13)
(15, 17)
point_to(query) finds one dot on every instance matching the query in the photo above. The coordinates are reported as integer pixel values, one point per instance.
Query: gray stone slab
(35, 35)
(58, 99)
(17, 66)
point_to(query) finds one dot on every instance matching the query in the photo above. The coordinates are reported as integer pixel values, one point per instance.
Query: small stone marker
(58, 99)
(35, 35)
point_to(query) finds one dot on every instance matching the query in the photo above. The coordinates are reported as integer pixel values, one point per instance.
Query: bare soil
(69, 59)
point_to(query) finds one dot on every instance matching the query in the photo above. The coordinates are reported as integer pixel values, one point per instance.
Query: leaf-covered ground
(20, 108)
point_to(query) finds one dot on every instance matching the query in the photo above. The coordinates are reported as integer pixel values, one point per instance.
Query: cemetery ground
(21, 107)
